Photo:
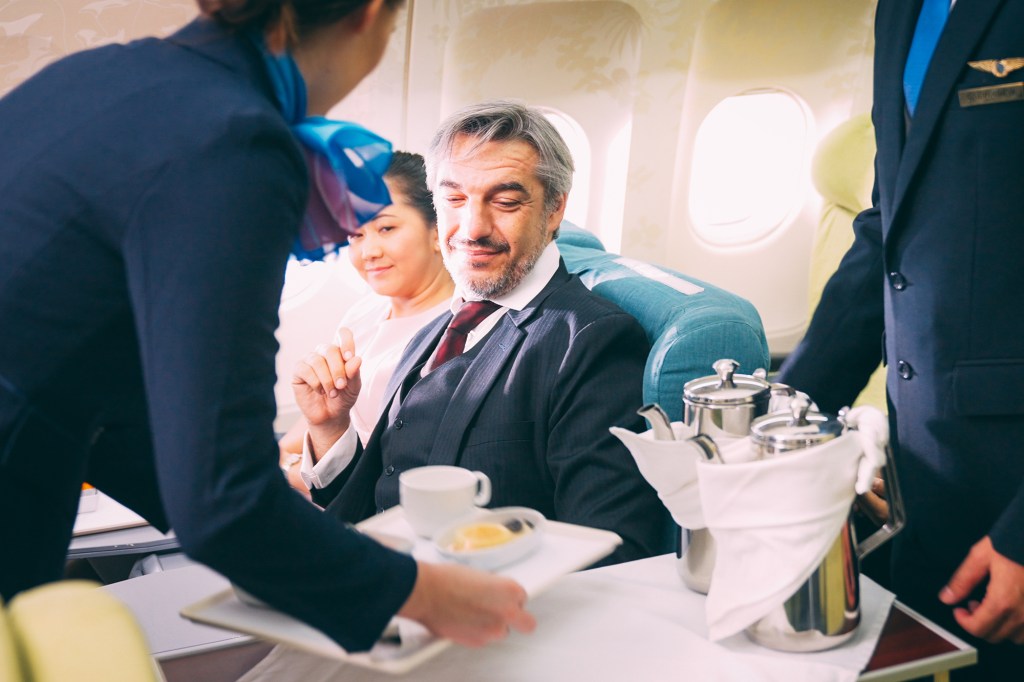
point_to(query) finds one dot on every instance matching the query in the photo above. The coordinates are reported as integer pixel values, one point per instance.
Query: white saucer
(523, 543)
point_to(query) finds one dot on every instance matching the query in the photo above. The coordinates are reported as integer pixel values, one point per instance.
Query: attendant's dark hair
(298, 16)
(409, 173)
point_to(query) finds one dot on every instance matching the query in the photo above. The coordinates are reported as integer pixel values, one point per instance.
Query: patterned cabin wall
(34, 33)
(819, 51)
(403, 98)
(667, 34)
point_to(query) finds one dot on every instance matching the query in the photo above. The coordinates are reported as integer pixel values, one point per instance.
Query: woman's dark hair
(298, 16)
(409, 173)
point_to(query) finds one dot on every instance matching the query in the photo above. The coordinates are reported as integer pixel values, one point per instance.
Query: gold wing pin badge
(1000, 68)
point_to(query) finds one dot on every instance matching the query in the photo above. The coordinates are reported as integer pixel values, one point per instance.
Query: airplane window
(579, 145)
(750, 172)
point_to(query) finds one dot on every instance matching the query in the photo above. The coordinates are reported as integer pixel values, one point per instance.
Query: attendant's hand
(467, 606)
(1000, 615)
(874, 503)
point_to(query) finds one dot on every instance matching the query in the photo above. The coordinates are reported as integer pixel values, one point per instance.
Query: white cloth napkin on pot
(671, 469)
(775, 519)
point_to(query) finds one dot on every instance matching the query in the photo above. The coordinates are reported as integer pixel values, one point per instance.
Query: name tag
(994, 94)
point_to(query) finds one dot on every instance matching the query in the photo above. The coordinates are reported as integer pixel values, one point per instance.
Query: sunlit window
(579, 146)
(750, 167)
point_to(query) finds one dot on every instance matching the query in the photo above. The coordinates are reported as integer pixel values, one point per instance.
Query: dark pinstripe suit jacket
(532, 412)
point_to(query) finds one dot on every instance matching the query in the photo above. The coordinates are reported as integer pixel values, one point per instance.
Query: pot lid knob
(725, 368)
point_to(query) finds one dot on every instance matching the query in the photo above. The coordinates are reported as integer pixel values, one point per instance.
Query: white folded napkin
(670, 468)
(774, 519)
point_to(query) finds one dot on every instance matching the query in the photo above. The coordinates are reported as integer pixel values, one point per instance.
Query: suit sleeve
(843, 343)
(599, 385)
(204, 260)
(1006, 534)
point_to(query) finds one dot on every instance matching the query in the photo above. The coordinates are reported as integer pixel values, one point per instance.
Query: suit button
(898, 281)
(399, 423)
(904, 369)
(390, 469)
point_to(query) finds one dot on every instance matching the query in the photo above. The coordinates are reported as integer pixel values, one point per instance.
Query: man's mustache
(487, 243)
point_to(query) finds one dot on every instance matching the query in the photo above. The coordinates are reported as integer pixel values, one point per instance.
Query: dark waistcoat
(413, 421)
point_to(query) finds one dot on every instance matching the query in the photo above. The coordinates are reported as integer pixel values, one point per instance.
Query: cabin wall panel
(820, 52)
(666, 34)
(684, 58)
(34, 33)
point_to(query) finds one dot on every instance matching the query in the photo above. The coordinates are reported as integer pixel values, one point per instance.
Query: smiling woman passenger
(398, 255)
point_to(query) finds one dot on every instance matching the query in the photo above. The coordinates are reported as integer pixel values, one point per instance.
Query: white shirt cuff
(332, 463)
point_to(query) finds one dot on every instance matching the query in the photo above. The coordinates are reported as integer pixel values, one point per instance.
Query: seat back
(72, 630)
(689, 323)
(10, 668)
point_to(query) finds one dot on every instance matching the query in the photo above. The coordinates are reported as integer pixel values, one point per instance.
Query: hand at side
(1000, 615)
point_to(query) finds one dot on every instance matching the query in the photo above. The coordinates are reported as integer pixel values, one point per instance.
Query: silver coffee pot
(825, 610)
(721, 406)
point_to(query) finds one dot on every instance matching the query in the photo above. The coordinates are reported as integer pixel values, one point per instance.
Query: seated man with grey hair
(546, 368)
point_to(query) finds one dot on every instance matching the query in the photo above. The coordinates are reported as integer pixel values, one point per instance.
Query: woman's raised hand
(326, 383)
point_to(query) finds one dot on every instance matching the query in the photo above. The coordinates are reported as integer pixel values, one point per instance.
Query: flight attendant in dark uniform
(150, 194)
(936, 264)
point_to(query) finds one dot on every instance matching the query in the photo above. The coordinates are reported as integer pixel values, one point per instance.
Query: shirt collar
(534, 281)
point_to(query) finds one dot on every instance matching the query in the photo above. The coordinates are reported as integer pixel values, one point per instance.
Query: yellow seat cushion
(72, 630)
(10, 668)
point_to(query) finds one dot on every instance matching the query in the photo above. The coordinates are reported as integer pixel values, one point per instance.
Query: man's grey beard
(505, 282)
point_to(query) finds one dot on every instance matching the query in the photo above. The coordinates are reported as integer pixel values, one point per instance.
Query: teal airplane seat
(689, 323)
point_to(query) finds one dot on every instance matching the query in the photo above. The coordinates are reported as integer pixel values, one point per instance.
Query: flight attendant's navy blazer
(937, 264)
(149, 195)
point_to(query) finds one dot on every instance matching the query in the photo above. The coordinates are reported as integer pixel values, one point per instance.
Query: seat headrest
(689, 323)
(843, 165)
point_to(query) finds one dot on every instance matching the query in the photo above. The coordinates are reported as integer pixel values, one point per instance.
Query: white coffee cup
(434, 496)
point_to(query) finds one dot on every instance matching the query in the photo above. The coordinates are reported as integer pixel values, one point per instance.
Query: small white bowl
(491, 558)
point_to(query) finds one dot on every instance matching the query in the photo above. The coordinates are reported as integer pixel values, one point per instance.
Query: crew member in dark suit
(149, 196)
(543, 376)
(936, 264)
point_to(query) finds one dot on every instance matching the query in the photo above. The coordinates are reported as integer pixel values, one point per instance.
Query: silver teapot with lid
(725, 403)
(825, 610)
(721, 406)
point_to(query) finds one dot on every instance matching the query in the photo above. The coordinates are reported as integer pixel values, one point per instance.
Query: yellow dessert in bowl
(485, 534)
(492, 538)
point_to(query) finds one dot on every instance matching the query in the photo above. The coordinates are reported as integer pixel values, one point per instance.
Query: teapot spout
(659, 421)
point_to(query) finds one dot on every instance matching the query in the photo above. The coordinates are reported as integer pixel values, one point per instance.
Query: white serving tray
(565, 548)
(108, 515)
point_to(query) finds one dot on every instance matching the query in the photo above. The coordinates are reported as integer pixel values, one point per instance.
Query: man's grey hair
(507, 120)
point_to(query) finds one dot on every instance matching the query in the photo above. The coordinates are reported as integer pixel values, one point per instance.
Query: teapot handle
(896, 517)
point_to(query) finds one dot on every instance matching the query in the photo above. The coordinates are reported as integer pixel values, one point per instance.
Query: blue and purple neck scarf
(346, 165)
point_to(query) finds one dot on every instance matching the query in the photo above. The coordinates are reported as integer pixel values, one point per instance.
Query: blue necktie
(926, 36)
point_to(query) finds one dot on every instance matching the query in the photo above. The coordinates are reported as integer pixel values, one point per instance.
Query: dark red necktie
(453, 342)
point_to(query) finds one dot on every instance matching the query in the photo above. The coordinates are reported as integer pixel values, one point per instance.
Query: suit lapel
(419, 350)
(500, 347)
(964, 28)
